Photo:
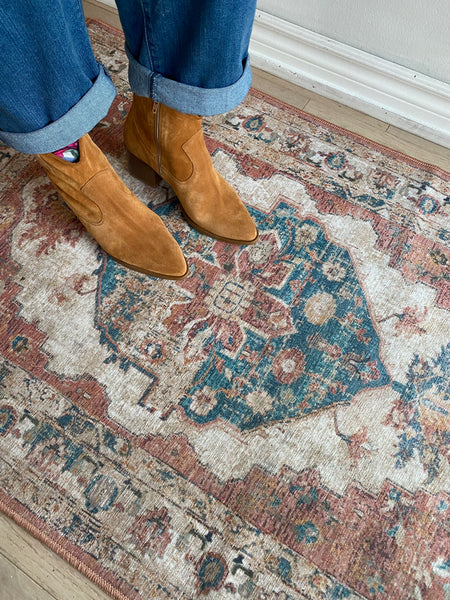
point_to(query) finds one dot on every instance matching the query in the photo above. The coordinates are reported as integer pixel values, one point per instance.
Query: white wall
(412, 33)
(387, 58)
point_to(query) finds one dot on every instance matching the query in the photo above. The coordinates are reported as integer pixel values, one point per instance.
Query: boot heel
(142, 170)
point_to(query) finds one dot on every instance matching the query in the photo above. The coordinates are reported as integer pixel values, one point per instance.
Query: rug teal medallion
(280, 330)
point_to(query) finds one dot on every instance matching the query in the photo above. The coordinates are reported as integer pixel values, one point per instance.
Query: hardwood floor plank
(97, 10)
(346, 117)
(16, 585)
(418, 147)
(45, 568)
(288, 92)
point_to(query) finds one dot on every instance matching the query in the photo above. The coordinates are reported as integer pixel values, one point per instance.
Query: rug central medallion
(255, 335)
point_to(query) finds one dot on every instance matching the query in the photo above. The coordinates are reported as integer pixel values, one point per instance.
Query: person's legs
(52, 90)
(47, 63)
(188, 58)
(191, 55)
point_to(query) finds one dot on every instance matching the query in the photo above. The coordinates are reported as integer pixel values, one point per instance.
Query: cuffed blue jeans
(191, 55)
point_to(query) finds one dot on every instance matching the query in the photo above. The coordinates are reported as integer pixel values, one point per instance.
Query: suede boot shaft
(172, 144)
(123, 226)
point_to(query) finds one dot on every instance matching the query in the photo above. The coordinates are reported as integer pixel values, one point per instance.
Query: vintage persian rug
(273, 427)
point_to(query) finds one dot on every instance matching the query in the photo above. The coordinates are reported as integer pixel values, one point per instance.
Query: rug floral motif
(275, 426)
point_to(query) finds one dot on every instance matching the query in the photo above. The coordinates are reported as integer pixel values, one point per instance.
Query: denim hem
(75, 123)
(187, 98)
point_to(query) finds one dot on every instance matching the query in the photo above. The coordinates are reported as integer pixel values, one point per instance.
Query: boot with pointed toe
(170, 144)
(124, 227)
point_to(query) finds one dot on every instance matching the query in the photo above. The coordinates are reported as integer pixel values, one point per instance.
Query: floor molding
(394, 94)
(384, 90)
(105, 10)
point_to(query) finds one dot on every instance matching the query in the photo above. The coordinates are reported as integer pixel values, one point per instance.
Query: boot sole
(151, 273)
(220, 238)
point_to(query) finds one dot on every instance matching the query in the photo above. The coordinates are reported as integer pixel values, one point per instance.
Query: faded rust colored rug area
(275, 426)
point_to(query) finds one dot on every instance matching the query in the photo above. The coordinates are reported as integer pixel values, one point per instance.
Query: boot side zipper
(156, 111)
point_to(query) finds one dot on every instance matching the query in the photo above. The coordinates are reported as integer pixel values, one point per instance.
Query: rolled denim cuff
(76, 122)
(187, 98)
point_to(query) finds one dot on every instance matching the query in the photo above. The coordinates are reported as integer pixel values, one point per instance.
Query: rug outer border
(64, 548)
(357, 137)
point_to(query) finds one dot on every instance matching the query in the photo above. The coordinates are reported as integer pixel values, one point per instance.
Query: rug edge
(24, 518)
(397, 154)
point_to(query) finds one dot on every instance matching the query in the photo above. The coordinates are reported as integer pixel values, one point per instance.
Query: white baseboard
(380, 88)
(377, 87)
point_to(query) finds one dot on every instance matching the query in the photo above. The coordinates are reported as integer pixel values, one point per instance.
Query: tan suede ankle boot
(123, 226)
(172, 145)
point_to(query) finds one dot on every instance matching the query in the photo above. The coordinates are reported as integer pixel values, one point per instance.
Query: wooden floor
(28, 570)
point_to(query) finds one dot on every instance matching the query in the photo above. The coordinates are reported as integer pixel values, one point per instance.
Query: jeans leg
(191, 55)
(52, 90)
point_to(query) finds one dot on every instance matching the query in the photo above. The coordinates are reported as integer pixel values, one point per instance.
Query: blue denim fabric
(78, 120)
(188, 54)
(187, 98)
(52, 90)
(191, 55)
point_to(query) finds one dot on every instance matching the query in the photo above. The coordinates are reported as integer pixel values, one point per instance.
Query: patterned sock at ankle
(71, 153)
